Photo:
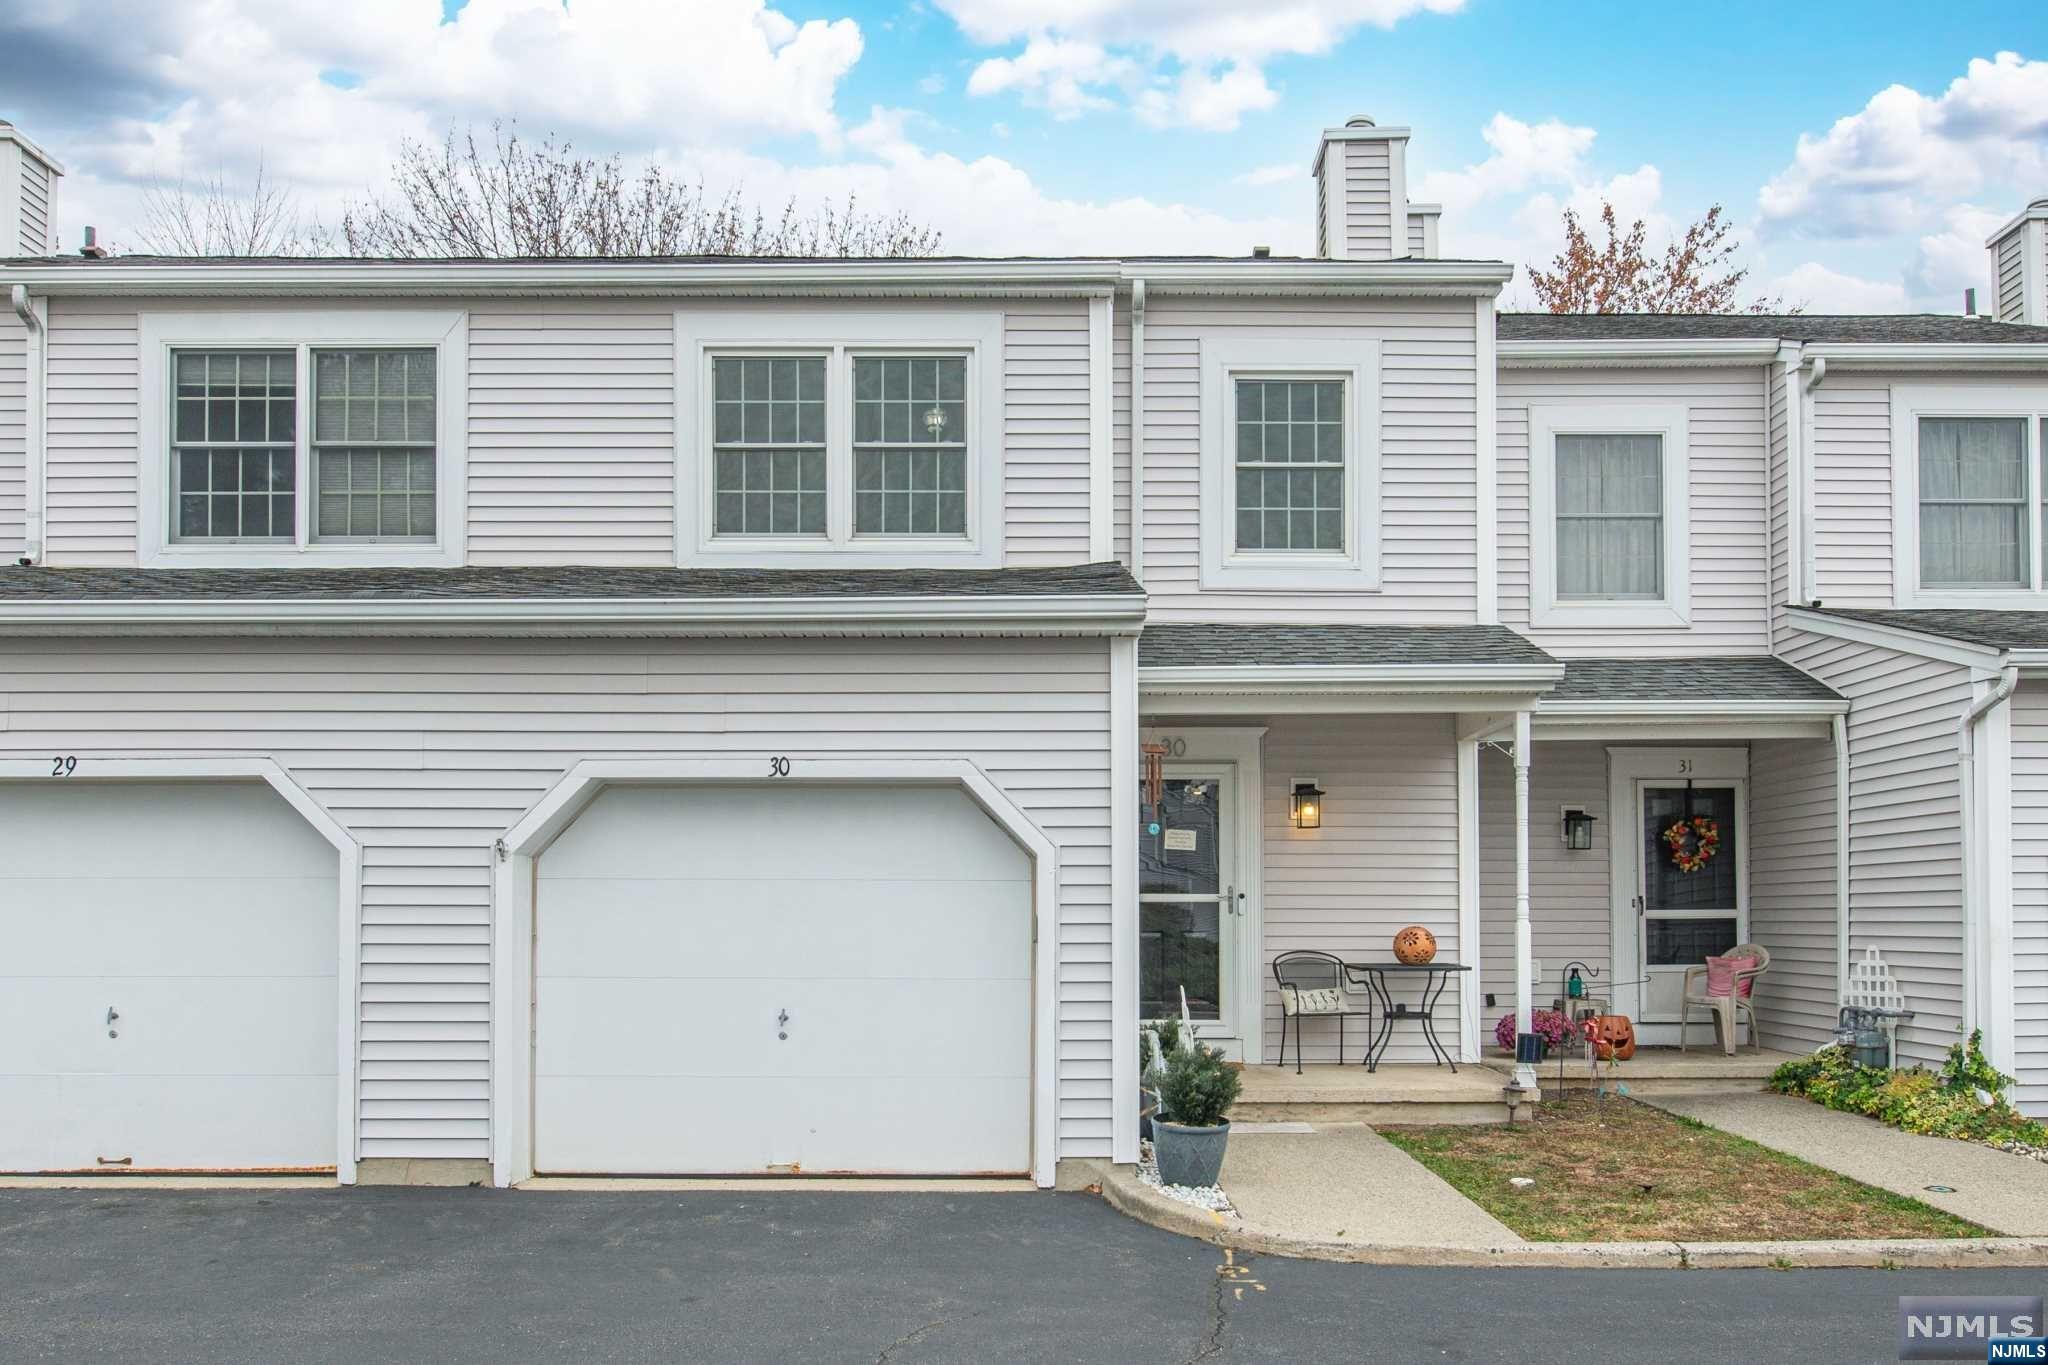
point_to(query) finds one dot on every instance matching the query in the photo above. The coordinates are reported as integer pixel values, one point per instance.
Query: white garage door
(203, 916)
(677, 926)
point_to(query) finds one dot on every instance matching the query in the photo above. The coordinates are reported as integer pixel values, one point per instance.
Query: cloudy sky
(1863, 151)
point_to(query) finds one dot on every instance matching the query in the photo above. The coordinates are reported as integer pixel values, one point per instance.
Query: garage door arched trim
(525, 841)
(91, 768)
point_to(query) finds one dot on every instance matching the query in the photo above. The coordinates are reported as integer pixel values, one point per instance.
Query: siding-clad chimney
(1362, 207)
(28, 196)
(2019, 267)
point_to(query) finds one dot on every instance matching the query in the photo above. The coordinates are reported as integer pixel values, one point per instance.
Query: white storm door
(1686, 913)
(1190, 901)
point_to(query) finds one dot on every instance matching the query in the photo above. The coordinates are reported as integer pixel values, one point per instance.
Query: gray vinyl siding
(1045, 432)
(1792, 888)
(1368, 222)
(1729, 551)
(2011, 284)
(1905, 871)
(1418, 238)
(13, 436)
(427, 751)
(1428, 511)
(90, 421)
(1852, 490)
(35, 208)
(1570, 908)
(571, 430)
(1386, 857)
(572, 449)
(2030, 894)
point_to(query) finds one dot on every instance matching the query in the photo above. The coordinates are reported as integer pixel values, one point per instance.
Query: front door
(1691, 902)
(1189, 902)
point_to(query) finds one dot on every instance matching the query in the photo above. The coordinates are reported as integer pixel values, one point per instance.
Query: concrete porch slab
(1994, 1189)
(1396, 1093)
(1663, 1070)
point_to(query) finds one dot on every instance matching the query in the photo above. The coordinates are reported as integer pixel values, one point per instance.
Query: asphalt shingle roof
(1696, 679)
(1262, 646)
(1992, 629)
(565, 582)
(1816, 327)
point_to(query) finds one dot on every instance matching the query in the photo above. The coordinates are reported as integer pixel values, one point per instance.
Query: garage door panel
(166, 926)
(893, 924)
(764, 833)
(191, 829)
(690, 927)
(204, 914)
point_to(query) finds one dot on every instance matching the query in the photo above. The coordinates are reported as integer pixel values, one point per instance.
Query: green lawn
(1614, 1170)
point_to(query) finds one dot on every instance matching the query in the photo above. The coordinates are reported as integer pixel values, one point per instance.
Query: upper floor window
(1608, 516)
(285, 437)
(833, 437)
(1969, 486)
(1290, 464)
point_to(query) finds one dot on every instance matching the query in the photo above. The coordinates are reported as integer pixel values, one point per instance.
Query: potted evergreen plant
(1198, 1089)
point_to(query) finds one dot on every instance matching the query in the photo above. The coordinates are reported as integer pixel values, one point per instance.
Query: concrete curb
(1123, 1190)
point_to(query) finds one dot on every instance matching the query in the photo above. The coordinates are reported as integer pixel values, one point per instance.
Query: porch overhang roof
(1979, 638)
(1711, 697)
(1308, 668)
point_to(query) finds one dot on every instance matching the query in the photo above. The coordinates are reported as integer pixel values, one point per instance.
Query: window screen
(1290, 464)
(910, 445)
(768, 445)
(373, 445)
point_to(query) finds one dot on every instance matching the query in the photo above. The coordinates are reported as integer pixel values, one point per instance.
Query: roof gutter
(1636, 353)
(32, 314)
(1089, 614)
(1389, 678)
(1932, 355)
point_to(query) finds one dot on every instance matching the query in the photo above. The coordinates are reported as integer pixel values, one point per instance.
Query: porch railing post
(1525, 1073)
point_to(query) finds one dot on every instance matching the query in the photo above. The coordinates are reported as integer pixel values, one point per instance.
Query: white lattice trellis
(1873, 987)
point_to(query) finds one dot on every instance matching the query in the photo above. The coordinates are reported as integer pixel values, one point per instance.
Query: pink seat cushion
(1721, 975)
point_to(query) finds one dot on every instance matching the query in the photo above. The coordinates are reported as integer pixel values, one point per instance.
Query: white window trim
(1548, 421)
(978, 335)
(1357, 363)
(1909, 404)
(161, 333)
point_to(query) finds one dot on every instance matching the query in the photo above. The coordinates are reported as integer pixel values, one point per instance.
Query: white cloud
(1815, 288)
(1948, 261)
(931, 85)
(1898, 164)
(1177, 63)
(1278, 174)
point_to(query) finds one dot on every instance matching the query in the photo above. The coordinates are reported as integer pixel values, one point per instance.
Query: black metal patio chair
(1312, 987)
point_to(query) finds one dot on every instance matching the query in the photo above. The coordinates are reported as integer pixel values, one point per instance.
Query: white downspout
(1138, 430)
(1974, 947)
(1809, 583)
(33, 452)
(1841, 730)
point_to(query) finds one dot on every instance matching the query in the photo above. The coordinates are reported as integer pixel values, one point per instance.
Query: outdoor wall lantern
(1308, 805)
(935, 421)
(1578, 829)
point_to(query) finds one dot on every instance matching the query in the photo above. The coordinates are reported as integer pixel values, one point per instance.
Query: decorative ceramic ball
(1414, 945)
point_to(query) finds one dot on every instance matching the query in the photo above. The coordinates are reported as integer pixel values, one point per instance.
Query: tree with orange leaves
(1693, 276)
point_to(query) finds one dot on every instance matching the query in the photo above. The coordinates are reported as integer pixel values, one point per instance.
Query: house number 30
(778, 767)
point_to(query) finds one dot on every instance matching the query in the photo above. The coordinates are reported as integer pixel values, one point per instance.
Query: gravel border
(1209, 1198)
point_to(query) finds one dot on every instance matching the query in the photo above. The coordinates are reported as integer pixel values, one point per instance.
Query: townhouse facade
(722, 715)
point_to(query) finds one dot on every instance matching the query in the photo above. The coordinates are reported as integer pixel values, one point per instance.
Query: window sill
(865, 553)
(1607, 615)
(1967, 599)
(300, 557)
(1271, 575)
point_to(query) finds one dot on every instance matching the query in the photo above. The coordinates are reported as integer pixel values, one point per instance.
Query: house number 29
(778, 767)
(64, 765)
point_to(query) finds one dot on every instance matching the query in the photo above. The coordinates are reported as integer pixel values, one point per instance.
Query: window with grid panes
(768, 445)
(1290, 465)
(373, 444)
(910, 445)
(234, 454)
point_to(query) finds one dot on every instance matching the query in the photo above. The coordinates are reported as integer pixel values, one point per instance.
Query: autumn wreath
(1693, 841)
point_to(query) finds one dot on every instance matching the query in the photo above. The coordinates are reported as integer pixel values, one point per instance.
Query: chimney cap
(92, 247)
(1260, 253)
(1360, 121)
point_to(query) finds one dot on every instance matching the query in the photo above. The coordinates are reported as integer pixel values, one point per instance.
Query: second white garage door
(754, 979)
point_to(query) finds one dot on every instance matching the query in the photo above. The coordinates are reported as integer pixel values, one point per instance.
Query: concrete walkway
(2005, 1193)
(1344, 1183)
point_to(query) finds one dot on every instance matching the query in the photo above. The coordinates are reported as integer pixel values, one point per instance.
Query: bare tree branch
(220, 218)
(1693, 276)
(504, 197)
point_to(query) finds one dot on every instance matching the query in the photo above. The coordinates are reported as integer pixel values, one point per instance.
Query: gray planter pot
(1148, 1109)
(1189, 1156)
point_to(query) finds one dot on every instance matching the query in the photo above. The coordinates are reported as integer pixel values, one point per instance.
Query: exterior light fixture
(1578, 830)
(935, 421)
(1308, 805)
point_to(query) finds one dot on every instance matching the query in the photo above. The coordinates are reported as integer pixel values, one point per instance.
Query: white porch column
(1525, 1074)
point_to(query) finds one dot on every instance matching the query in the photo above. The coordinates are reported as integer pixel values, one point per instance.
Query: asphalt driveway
(462, 1275)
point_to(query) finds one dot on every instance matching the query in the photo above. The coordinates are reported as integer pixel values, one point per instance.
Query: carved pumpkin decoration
(1414, 945)
(1613, 1037)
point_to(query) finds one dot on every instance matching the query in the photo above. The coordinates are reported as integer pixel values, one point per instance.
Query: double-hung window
(839, 438)
(1970, 480)
(288, 438)
(1607, 516)
(1290, 465)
